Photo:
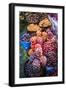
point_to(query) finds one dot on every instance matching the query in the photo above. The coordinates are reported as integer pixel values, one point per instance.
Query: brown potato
(33, 27)
(45, 23)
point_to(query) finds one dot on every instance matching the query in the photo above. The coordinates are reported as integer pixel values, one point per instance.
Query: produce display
(38, 44)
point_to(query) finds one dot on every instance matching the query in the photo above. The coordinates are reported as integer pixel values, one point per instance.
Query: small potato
(30, 52)
(44, 36)
(38, 33)
(33, 40)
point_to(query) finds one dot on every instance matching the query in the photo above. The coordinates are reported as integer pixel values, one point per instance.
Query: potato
(30, 52)
(33, 27)
(45, 23)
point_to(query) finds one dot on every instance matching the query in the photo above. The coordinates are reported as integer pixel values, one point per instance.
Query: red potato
(33, 40)
(37, 46)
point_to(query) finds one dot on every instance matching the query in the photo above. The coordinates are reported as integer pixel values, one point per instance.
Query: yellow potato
(33, 27)
(45, 23)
